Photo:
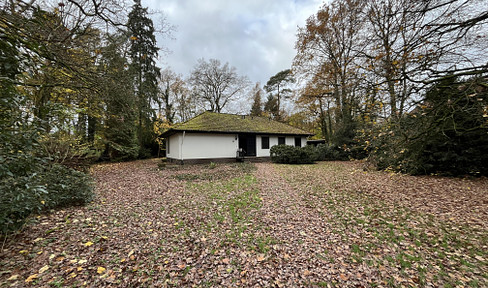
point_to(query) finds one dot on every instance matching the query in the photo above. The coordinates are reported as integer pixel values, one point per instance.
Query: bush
(23, 194)
(326, 152)
(446, 135)
(286, 154)
(66, 187)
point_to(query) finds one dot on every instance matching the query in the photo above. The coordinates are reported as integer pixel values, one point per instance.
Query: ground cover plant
(331, 224)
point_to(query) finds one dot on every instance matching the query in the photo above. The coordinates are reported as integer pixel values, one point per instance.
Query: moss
(230, 123)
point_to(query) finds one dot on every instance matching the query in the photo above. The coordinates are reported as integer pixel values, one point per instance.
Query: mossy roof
(230, 123)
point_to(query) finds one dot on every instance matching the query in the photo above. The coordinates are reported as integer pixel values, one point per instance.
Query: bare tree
(217, 84)
(328, 49)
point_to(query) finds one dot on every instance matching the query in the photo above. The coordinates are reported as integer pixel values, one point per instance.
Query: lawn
(331, 224)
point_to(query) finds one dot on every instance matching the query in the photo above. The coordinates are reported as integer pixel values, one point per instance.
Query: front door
(247, 142)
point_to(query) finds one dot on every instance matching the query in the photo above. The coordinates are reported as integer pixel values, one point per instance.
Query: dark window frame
(298, 141)
(264, 142)
(281, 138)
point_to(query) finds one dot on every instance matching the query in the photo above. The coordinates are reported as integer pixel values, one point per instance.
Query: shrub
(447, 134)
(66, 187)
(286, 154)
(31, 192)
(326, 152)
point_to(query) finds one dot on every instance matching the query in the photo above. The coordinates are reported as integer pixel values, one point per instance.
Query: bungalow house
(222, 137)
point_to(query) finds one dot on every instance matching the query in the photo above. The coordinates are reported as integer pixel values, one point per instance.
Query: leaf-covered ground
(263, 225)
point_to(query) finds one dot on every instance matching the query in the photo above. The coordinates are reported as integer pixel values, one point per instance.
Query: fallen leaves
(101, 270)
(321, 225)
(13, 277)
(88, 244)
(44, 269)
(31, 278)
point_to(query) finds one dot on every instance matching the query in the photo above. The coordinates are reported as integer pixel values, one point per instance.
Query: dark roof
(211, 122)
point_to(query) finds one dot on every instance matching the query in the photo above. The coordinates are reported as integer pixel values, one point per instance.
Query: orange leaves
(31, 278)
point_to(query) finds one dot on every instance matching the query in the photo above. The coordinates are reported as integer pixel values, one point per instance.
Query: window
(264, 142)
(281, 140)
(298, 141)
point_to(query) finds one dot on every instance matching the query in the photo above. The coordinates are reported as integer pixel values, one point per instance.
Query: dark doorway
(247, 142)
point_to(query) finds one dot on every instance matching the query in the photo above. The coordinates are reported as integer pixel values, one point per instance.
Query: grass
(433, 246)
(234, 225)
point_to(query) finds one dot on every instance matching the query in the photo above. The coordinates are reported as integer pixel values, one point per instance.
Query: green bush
(326, 152)
(23, 194)
(286, 154)
(446, 135)
(66, 187)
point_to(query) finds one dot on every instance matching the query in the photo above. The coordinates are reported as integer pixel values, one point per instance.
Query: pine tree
(143, 53)
(271, 107)
(121, 130)
(256, 109)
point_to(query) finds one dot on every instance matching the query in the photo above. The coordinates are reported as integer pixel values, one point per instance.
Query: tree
(186, 102)
(167, 83)
(143, 53)
(256, 109)
(120, 119)
(217, 85)
(271, 107)
(279, 83)
(327, 52)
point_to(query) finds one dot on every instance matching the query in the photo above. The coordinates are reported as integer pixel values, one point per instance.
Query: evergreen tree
(121, 131)
(256, 109)
(271, 107)
(143, 53)
(279, 83)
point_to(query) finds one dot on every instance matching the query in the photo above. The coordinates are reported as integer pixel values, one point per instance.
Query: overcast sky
(255, 36)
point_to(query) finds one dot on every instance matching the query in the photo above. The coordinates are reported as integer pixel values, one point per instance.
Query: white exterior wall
(273, 140)
(185, 146)
(203, 145)
(174, 146)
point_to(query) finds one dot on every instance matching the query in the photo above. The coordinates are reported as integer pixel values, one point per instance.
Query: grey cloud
(257, 37)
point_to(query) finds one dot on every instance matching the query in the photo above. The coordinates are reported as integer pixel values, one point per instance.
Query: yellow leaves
(44, 269)
(43, 202)
(88, 244)
(13, 277)
(133, 38)
(23, 251)
(100, 270)
(31, 278)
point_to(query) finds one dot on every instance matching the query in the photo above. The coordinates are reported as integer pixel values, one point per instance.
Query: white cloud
(257, 37)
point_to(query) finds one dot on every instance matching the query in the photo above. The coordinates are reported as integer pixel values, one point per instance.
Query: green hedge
(286, 154)
(50, 187)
